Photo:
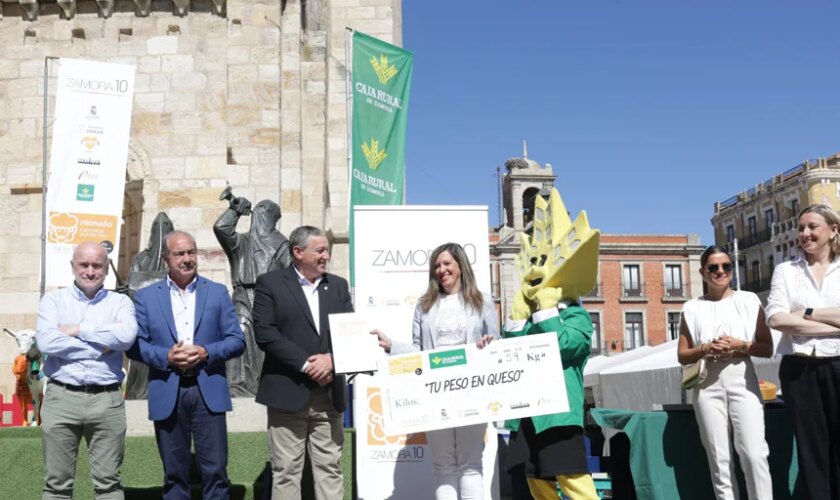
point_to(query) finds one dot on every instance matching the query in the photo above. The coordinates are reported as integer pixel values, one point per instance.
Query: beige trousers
(317, 429)
(99, 418)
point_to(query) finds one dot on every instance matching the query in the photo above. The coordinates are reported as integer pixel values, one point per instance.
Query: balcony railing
(764, 187)
(789, 224)
(673, 291)
(595, 293)
(625, 346)
(755, 239)
(615, 346)
(633, 291)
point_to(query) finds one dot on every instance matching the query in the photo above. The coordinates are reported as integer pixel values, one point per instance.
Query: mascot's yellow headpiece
(559, 254)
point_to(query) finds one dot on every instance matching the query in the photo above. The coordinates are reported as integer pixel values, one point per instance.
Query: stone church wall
(255, 97)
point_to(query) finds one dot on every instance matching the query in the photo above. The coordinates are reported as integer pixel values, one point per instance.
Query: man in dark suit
(187, 329)
(305, 399)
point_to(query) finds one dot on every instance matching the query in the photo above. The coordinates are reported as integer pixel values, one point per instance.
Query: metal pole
(348, 68)
(499, 206)
(348, 65)
(737, 267)
(43, 285)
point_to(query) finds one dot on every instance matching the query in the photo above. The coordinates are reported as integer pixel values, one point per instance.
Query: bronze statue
(251, 254)
(147, 267)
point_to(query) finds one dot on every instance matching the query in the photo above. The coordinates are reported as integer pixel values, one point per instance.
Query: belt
(90, 389)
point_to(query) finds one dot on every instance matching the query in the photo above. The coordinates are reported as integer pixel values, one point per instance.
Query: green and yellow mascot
(557, 264)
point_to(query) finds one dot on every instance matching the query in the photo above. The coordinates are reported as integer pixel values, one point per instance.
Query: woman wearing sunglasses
(727, 327)
(804, 304)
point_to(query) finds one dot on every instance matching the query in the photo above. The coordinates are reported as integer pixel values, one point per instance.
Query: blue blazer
(216, 329)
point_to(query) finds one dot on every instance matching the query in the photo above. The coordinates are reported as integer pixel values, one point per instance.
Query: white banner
(457, 386)
(87, 161)
(392, 249)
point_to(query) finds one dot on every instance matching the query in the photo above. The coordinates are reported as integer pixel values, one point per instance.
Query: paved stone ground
(247, 416)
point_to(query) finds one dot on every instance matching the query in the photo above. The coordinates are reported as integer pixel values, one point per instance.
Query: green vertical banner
(380, 85)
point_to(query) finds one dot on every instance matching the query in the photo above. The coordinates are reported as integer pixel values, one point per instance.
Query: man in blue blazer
(187, 330)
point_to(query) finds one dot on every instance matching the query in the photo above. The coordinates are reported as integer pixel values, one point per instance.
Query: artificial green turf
(22, 469)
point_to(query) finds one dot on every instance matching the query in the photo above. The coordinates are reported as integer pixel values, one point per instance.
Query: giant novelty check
(455, 386)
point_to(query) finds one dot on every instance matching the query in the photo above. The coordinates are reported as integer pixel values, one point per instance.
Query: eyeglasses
(713, 268)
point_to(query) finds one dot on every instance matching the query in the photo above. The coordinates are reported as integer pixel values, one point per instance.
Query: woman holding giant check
(452, 312)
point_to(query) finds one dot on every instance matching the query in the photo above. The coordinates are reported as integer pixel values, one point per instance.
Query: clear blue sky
(648, 111)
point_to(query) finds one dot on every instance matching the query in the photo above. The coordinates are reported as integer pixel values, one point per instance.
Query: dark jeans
(192, 419)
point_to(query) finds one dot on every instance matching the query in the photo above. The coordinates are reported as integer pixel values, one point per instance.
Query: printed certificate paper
(455, 386)
(354, 348)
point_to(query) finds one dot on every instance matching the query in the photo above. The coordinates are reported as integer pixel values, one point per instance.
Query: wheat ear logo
(383, 71)
(373, 154)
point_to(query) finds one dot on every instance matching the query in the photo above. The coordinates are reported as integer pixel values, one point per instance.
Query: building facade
(250, 93)
(643, 279)
(759, 225)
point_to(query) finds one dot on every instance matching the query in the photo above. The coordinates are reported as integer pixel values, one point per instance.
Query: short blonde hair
(831, 218)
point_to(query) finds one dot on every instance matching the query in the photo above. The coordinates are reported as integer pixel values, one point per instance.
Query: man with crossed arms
(84, 329)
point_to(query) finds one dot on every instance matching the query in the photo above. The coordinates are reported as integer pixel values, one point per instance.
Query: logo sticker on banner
(90, 142)
(84, 192)
(449, 358)
(383, 71)
(405, 365)
(373, 154)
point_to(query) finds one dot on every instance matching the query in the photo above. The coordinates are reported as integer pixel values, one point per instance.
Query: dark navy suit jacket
(216, 329)
(285, 329)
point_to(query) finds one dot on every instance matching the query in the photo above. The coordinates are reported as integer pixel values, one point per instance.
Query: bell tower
(524, 181)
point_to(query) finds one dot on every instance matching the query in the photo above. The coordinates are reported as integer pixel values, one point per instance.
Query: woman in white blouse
(804, 304)
(727, 327)
(452, 312)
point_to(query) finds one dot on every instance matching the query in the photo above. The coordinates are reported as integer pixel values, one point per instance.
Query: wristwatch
(808, 312)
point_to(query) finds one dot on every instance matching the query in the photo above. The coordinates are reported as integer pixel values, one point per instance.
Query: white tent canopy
(639, 379)
(642, 382)
(596, 366)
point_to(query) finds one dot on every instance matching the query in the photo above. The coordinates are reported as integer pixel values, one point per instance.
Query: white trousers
(730, 394)
(456, 455)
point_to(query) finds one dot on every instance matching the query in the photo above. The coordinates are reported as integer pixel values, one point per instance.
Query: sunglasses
(713, 268)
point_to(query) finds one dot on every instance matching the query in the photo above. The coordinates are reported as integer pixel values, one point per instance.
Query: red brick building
(643, 281)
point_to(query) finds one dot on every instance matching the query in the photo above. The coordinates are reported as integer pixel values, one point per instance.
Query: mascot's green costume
(557, 264)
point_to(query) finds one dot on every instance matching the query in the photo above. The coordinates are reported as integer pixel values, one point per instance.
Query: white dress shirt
(183, 309)
(793, 289)
(310, 291)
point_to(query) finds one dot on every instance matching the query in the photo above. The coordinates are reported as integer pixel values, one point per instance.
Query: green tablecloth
(668, 461)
